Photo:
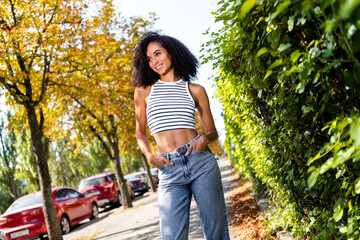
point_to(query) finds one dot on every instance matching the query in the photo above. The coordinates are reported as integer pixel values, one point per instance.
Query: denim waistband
(179, 150)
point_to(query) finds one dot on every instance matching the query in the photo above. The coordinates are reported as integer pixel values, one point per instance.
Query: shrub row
(289, 81)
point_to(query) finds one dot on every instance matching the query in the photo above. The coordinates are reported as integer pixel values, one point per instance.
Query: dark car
(155, 174)
(24, 219)
(139, 182)
(105, 188)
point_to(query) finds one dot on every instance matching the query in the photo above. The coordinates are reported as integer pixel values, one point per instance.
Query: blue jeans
(197, 174)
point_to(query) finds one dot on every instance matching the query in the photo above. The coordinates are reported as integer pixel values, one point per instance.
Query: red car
(24, 219)
(104, 187)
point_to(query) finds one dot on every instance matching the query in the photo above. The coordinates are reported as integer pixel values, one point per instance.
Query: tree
(34, 38)
(100, 93)
(5, 198)
(8, 157)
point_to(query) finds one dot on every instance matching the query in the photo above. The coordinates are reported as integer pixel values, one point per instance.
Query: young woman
(164, 98)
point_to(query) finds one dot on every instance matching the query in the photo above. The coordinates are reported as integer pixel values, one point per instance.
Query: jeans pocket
(163, 167)
(206, 149)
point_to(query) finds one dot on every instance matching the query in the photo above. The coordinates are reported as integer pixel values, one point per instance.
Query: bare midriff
(168, 141)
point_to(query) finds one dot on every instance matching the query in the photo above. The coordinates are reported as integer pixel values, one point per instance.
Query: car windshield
(25, 202)
(93, 183)
(132, 176)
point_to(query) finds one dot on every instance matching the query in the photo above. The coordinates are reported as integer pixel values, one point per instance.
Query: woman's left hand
(199, 145)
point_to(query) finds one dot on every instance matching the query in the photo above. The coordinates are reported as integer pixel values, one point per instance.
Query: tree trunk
(12, 184)
(149, 176)
(52, 222)
(125, 195)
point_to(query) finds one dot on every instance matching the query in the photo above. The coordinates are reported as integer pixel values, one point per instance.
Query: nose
(155, 60)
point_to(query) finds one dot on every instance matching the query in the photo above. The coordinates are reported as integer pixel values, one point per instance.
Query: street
(141, 221)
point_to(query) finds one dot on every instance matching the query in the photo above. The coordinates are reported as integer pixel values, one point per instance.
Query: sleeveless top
(170, 106)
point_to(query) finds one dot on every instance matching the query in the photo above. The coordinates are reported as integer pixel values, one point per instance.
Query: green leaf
(314, 52)
(295, 55)
(338, 213)
(324, 235)
(355, 131)
(275, 64)
(268, 73)
(313, 177)
(311, 160)
(307, 5)
(283, 47)
(237, 3)
(343, 230)
(291, 23)
(342, 156)
(331, 65)
(246, 7)
(261, 51)
(306, 109)
(357, 186)
(325, 53)
(348, 7)
(327, 165)
(281, 7)
(330, 25)
(292, 69)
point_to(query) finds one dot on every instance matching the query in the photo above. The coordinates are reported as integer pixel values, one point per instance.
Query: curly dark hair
(184, 62)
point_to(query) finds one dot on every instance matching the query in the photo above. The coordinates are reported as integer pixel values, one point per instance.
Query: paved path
(141, 222)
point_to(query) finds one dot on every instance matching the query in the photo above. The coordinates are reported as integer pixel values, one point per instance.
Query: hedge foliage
(289, 81)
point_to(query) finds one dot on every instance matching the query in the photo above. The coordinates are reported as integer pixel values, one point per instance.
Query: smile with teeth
(158, 67)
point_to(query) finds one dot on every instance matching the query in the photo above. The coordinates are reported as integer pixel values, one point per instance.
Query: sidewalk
(141, 221)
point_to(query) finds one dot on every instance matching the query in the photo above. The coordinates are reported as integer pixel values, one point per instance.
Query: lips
(158, 67)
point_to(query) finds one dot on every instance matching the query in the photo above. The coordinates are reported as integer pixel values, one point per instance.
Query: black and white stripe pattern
(170, 106)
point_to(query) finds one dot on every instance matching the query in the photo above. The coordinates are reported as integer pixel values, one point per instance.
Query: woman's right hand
(159, 161)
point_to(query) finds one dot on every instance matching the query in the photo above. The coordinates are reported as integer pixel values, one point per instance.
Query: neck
(169, 77)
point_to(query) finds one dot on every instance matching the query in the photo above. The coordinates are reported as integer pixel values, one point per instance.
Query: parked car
(105, 188)
(139, 182)
(155, 174)
(24, 219)
(2, 235)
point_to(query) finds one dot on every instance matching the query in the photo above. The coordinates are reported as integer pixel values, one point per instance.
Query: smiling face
(159, 59)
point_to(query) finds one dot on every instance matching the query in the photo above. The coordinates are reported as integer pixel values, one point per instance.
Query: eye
(149, 59)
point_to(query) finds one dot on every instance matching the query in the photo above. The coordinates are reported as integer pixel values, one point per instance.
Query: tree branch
(96, 134)
(13, 90)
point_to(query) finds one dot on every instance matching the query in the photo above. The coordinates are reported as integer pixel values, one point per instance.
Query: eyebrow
(157, 50)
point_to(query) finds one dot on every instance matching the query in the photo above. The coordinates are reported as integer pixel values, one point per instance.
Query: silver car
(2, 235)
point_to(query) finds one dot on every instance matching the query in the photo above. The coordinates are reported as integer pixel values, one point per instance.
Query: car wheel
(64, 224)
(94, 212)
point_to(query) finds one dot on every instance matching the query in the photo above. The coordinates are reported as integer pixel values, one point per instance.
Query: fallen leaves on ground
(248, 218)
(91, 236)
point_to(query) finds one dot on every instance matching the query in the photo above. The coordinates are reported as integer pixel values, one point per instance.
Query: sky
(185, 20)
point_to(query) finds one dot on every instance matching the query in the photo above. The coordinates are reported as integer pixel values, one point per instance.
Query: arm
(141, 137)
(202, 103)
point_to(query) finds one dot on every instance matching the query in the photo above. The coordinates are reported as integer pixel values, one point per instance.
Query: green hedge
(289, 81)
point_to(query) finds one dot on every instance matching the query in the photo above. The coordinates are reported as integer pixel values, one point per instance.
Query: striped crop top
(170, 106)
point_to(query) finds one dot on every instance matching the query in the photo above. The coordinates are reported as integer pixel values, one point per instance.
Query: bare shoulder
(142, 92)
(197, 91)
(196, 87)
